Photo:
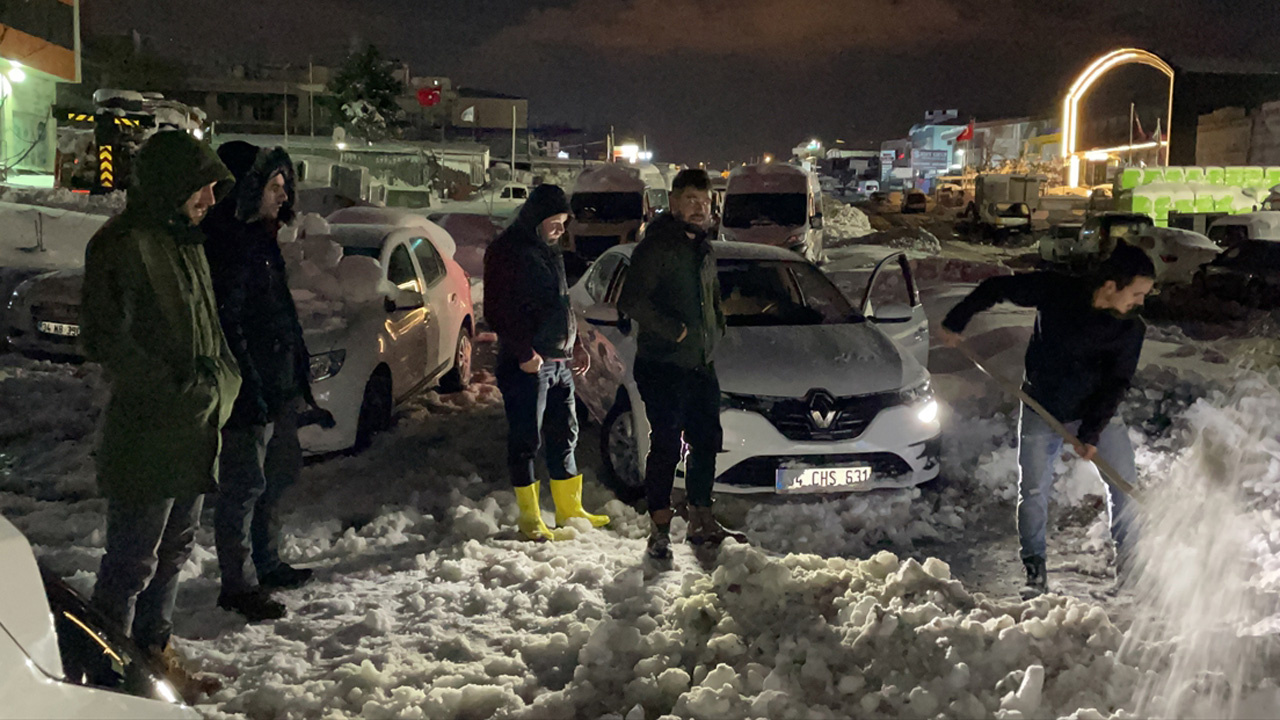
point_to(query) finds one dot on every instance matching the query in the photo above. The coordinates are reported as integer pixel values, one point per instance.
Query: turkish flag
(967, 134)
(428, 97)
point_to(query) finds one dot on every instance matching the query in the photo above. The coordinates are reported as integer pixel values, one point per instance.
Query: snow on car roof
(771, 178)
(378, 216)
(24, 608)
(732, 251)
(609, 178)
(359, 235)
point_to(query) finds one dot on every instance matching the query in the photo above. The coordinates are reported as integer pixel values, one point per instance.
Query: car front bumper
(901, 450)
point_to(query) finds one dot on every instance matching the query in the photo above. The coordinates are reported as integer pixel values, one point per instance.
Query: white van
(774, 204)
(609, 204)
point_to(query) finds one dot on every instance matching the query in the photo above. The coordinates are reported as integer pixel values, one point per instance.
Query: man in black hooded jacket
(261, 455)
(527, 305)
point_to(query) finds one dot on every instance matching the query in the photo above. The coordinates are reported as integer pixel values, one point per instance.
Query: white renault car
(60, 659)
(420, 336)
(816, 396)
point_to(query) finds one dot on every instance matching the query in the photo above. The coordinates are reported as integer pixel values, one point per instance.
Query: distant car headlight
(326, 365)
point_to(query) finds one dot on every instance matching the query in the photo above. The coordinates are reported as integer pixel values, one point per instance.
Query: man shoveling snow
(1081, 360)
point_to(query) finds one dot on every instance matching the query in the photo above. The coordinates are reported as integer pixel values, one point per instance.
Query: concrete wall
(1233, 136)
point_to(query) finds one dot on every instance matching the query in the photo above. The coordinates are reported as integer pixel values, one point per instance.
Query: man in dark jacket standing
(673, 293)
(261, 455)
(527, 305)
(1081, 360)
(149, 317)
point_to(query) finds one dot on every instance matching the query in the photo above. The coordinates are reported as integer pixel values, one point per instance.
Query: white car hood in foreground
(24, 609)
(789, 361)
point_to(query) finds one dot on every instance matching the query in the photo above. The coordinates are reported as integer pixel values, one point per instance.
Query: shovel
(1108, 473)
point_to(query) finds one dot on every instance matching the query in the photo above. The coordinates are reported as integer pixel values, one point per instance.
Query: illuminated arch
(1085, 81)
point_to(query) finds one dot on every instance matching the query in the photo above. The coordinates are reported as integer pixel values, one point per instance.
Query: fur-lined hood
(253, 167)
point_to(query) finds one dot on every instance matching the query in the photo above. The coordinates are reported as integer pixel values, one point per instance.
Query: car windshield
(1129, 229)
(767, 293)
(751, 209)
(362, 250)
(607, 206)
(1253, 254)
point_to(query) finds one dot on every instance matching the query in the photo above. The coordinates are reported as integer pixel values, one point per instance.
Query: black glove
(316, 416)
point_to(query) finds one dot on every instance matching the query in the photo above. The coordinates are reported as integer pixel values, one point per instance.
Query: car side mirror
(815, 222)
(406, 300)
(603, 316)
(893, 314)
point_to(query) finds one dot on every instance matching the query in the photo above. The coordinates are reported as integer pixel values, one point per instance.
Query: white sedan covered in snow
(414, 333)
(817, 397)
(59, 659)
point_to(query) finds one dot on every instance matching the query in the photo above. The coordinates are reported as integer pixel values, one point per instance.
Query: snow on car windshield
(756, 293)
(607, 206)
(748, 209)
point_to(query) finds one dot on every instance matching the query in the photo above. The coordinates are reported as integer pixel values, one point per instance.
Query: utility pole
(286, 114)
(311, 94)
(513, 141)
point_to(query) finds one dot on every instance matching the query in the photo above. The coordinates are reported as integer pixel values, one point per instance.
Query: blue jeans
(1038, 447)
(540, 406)
(257, 465)
(147, 544)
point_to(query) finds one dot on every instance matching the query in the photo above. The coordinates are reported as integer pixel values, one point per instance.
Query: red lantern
(428, 97)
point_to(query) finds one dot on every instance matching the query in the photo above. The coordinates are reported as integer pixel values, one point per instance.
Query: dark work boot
(1037, 578)
(255, 605)
(705, 530)
(285, 577)
(659, 547)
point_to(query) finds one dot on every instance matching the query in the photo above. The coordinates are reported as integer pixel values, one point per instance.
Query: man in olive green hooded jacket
(148, 315)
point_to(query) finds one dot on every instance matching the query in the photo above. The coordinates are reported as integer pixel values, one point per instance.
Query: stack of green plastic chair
(1128, 179)
(1255, 176)
(1272, 175)
(1215, 175)
(1152, 175)
(1234, 176)
(1194, 174)
(1136, 202)
(1184, 198)
(1175, 174)
(1205, 196)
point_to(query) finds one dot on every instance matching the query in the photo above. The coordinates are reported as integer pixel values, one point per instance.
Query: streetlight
(768, 158)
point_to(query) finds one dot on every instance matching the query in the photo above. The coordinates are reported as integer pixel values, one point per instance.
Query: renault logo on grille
(822, 409)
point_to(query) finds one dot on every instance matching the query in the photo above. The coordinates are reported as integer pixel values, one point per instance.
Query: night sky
(714, 80)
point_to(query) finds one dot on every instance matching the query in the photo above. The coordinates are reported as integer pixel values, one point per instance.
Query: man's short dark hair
(1125, 264)
(691, 178)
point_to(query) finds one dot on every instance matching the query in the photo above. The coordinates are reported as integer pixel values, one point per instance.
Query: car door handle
(453, 298)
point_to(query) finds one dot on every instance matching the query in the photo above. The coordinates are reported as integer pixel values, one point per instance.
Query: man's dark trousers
(680, 404)
(258, 463)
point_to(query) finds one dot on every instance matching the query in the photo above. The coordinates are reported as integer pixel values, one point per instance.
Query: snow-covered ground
(427, 605)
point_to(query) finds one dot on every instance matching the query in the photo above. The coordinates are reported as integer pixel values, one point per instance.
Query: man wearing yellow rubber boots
(527, 305)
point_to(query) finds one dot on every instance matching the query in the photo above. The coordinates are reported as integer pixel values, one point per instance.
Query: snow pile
(1209, 562)
(44, 238)
(328, 288)
(842, 223)
(108, 204)
(851, 526)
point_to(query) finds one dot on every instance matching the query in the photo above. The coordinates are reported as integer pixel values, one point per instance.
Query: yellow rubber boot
(531, 523)
(568, 497)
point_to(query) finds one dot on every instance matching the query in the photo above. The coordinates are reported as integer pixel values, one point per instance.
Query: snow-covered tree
(364, 95)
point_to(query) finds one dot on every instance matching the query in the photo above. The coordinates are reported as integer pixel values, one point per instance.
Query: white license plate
(62, 329)
(816, 480)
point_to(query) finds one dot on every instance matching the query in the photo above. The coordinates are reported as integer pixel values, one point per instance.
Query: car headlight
(920, 399)
(326, 365)
(13, 299)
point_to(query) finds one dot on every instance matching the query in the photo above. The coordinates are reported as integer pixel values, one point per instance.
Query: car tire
(459, 376)
(375, 410)
(621, 463)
